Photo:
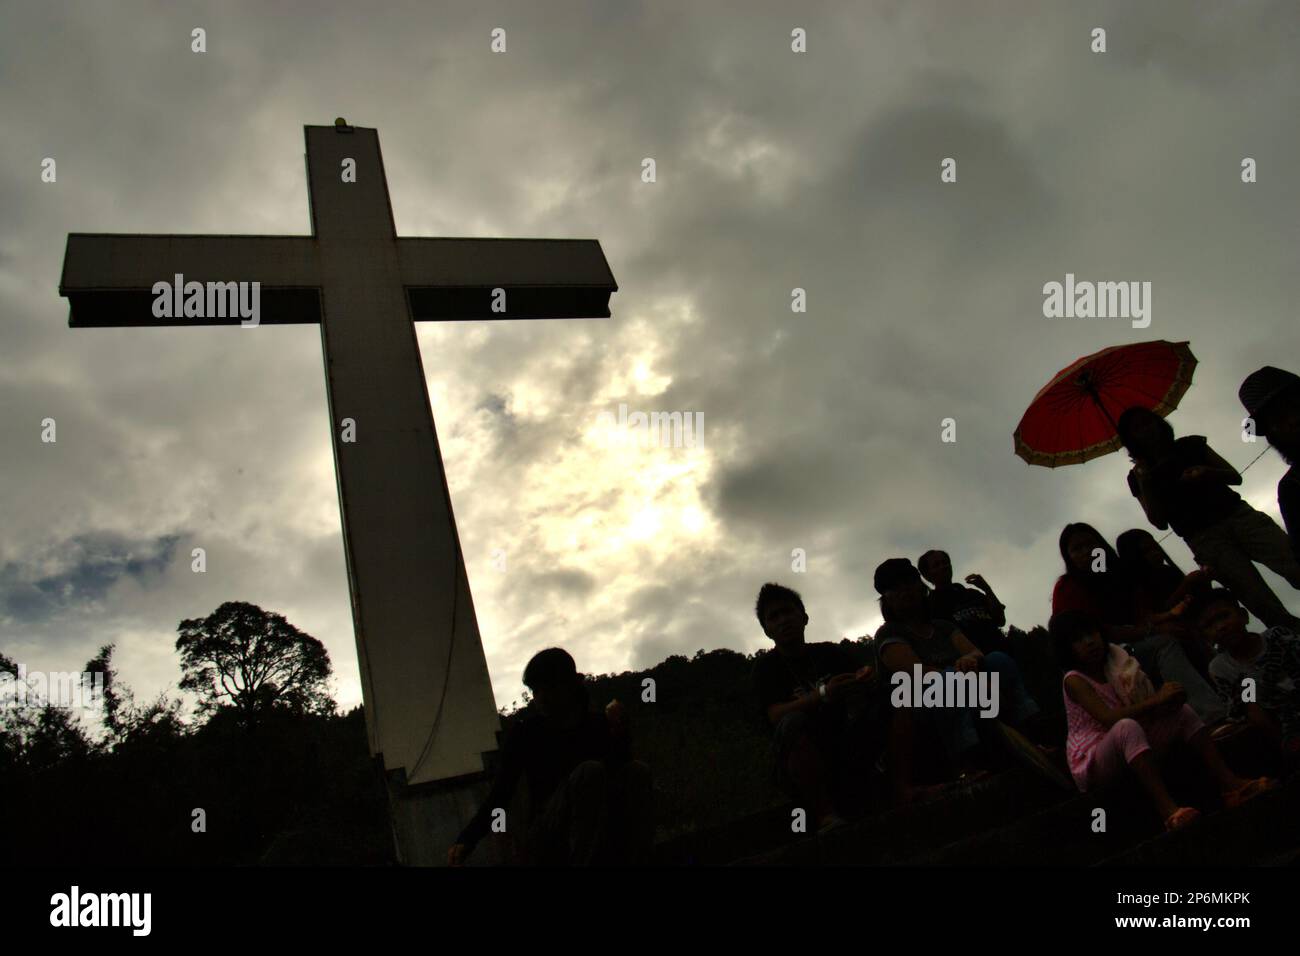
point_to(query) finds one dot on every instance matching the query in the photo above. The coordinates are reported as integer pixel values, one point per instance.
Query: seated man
(912, 638)
(588, 801)
(979, 614)
(1270, 661)
(829, 715)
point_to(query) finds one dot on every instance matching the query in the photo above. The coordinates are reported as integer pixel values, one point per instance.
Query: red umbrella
(1073, 418)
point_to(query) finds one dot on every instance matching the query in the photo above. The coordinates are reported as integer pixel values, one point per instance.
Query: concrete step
(897, 836)
(1265, 830)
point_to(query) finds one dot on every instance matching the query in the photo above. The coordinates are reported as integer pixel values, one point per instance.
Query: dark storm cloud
(819, 171)
(77, 572)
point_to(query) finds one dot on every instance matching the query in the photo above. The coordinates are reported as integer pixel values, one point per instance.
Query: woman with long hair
(1164, 592)
(1094, 582)
(1151, 570)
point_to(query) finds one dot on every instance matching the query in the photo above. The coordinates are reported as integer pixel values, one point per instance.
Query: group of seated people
(1150, 658)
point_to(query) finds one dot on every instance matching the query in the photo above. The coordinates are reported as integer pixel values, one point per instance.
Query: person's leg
(547, 839)
(1265, 542)
(632, 814)
(801, 757)
(955, 726)
(898, 755)
(863, 742)
(1219, 547)
(1126, 744)
(587, 796)
(1145, 651)
(1184, 725)
(1015, 706)
(1172, 664)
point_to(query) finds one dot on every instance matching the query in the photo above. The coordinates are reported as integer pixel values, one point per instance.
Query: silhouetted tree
(252, 660)
(12, 736)
(35, 734)
(125, 721)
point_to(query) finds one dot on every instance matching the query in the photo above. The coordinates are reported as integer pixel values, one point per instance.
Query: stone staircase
(1012, 819)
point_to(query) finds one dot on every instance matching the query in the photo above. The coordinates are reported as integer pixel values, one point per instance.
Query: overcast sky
(775, 170)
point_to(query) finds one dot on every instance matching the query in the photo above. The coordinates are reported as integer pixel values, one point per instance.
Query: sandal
(1251, 788)
(1183, 816)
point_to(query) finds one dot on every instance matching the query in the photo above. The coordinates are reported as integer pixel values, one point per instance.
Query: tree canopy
(253, 661)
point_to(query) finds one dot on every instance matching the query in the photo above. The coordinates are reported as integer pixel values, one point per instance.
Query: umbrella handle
(1085, 381)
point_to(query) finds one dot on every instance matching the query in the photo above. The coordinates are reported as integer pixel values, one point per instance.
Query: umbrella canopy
(1072, 419)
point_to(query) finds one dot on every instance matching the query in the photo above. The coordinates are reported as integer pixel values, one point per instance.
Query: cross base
(426, 818)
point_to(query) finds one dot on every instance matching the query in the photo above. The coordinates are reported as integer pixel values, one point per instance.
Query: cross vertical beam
(430, 712)
(422, 662)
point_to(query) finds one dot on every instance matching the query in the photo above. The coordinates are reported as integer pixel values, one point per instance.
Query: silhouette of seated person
(978, 613)
(588, 801)
(912, 637)
(1257, 674)
(1093, 582)
(1163, 593)
(829, 716)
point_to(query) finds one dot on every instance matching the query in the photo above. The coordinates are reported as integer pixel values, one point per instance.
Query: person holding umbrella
(1183, 484)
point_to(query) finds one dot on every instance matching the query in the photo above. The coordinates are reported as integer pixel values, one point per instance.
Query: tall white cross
(428, 699)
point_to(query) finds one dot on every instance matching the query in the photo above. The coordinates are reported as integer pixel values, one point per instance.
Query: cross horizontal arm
(108, 278)
(542, 278)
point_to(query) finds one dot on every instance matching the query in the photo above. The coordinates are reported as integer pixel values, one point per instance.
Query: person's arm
(808, 702)
(1215, 469)
(970, 654)
(503, 788)
(1082, 693)
(1193, 581)
(899, 657)
(1143, 488)
(997, 610)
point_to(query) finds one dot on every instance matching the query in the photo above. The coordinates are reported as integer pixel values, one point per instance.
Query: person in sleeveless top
(1116, 721)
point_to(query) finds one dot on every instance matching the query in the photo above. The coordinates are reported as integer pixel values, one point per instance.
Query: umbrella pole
(1091, 390)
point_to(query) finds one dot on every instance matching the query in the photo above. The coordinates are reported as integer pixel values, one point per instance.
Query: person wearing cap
(911, 637)
(1271, 397)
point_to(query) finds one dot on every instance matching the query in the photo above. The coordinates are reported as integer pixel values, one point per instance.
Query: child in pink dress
(1117, 720)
